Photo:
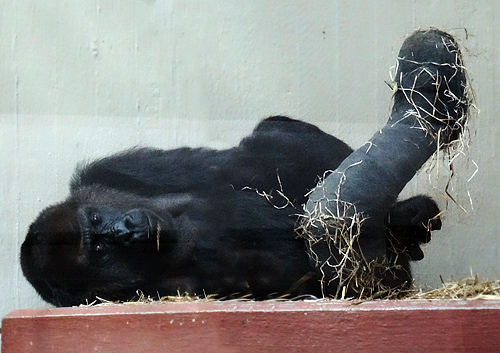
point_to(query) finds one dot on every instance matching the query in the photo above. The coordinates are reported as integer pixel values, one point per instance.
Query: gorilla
(201, 221)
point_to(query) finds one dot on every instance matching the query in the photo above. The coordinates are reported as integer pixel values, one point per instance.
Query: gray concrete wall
(83, 79)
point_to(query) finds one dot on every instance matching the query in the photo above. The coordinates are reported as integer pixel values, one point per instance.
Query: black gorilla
(199, 221)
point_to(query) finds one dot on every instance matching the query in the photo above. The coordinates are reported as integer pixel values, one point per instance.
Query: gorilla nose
(122, 228)
(134, 226)
(136, 219)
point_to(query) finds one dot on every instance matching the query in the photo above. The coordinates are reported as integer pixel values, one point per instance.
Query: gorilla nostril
(129, 223)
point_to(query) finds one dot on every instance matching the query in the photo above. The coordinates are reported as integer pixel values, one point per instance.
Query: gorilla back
(199, 221)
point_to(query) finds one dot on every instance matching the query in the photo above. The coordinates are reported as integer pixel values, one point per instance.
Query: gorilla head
(98, 242)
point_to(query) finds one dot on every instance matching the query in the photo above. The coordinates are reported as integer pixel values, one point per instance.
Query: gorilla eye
(95, 219)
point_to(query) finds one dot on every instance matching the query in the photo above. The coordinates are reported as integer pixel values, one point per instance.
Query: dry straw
(467, 289)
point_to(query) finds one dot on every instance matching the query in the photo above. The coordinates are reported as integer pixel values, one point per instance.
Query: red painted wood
(386, 326)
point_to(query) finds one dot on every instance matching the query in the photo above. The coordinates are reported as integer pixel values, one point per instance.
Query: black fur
(199, 221)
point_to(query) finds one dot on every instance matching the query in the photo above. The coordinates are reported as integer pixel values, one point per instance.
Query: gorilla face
(102, 224)
(99, 242)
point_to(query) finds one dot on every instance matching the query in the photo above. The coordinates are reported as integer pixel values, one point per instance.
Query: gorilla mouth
(151, 229)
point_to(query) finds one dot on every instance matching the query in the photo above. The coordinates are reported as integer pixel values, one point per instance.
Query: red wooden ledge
(324, 326)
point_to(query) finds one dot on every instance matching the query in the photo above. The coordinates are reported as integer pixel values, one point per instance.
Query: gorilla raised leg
(429, 112)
